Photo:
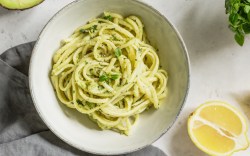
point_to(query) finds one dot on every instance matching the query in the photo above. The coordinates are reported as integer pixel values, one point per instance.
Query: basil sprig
(239, 18)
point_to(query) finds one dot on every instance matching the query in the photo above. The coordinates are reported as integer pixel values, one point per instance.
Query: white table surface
(220, 69)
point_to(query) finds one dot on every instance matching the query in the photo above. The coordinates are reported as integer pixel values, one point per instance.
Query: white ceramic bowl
(75, 128)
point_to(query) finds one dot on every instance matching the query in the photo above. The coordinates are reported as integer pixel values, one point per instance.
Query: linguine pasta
(107, 70)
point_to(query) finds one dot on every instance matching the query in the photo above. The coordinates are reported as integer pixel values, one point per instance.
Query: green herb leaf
(227, 6)
(232, 28)
(110, 18)
(91, 105)
(248, 16)
(246, 28)
(239, 18)
(118, 52)
(84, 31)
(79, 102)
(103, 77)
(247, 9)
(93, 28)
(89, 30)
(108, 77)
(114, 76)
(236, 7)
(233, 18)
(239, 38)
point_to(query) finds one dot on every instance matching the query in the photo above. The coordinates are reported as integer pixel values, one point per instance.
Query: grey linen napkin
(22, 132)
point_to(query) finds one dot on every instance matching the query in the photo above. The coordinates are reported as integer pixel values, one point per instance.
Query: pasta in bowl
(108, 70)
(139, 108)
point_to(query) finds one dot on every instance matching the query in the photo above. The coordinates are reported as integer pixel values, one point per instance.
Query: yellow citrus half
(218, 129)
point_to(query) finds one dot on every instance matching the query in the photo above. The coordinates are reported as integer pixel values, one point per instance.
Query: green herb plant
(239, 18)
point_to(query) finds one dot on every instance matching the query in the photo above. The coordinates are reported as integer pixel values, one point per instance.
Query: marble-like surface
(219, 67)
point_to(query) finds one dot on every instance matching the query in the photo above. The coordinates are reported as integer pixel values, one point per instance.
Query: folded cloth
(22, 132)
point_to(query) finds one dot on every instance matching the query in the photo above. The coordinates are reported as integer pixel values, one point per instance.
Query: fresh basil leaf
(236, 7)
(227, 6)
(103, 77)
(118, 52)
(240, 30)
(232, 28)
(239, 38)
(239, 18)
(246, 9)
(246, 28)
(114, 76)
(233, 18)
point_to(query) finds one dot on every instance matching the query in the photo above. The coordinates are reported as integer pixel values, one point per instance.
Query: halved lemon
(218, 129)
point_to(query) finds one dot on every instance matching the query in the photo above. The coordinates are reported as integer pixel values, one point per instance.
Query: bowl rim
(182, 43)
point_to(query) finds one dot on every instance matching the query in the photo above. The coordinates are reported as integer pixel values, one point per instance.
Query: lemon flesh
(207, 137)
(222, 117)
(19, 4)
(218, 129)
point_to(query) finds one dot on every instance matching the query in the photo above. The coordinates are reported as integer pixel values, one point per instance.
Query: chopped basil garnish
(89, 30)
(93, 28)
(103, 77)
(106, 77)
(114, 76)
(79, 102)
(84, 31)
(91, 105)
(110, 18)
(118, 52)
